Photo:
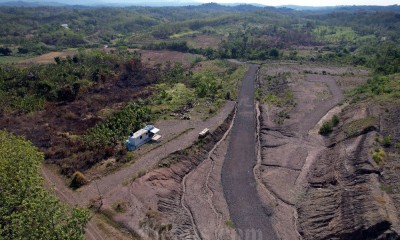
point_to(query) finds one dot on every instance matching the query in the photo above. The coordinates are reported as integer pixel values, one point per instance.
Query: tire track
(209, 200)
(54, 183)
(211, 193)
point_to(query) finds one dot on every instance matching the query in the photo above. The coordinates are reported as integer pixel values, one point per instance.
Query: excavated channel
(250, 216)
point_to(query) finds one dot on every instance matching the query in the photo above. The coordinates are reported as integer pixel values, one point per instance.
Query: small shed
(146, 134)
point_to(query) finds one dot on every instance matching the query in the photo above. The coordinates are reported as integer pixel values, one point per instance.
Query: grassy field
(334, 34)
(12, 59)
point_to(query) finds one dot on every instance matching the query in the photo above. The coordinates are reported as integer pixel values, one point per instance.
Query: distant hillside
(113, 3)
(29, 4)
(354, 8)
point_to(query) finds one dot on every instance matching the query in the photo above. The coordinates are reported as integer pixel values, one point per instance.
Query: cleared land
(249, 214)
(47, 58)
(288, 148)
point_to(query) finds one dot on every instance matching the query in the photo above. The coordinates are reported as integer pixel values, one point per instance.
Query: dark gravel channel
(249, 215)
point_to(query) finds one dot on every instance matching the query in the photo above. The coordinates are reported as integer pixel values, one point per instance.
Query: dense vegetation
(357, 36)
(26, 89)
(130, 119)
(27, 210)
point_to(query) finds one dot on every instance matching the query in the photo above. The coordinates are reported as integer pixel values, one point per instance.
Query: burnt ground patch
(56, 130)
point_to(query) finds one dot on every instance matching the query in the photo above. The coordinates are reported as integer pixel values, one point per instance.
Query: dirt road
(309, 121)
(149, 160)
(110, 182)
(248, 213)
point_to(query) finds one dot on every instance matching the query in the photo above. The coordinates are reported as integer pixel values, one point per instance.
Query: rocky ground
(322, 187)
(345, 198)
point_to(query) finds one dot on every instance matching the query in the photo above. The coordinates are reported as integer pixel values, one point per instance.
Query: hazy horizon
(305, 3)
(311, 3)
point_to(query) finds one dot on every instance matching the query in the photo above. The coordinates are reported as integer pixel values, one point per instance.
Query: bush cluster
(78, 180)
(327, 127)
(379, 156)
(131, 118)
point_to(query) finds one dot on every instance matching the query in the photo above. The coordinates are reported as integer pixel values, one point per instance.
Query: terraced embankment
(322, 187)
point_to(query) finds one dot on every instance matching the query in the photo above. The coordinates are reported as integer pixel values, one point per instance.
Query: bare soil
(204, 198)
(205, 41)
(296, 184)
(345, 194)
(109, 191)
(154, 203)
(289, 149)
(161, 57)
(47, 58)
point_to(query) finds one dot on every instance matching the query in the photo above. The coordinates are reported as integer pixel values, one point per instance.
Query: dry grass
(380, 199)
(161, 57)
(140, 174)
(205, 41)
(47, 58)
(358, 126)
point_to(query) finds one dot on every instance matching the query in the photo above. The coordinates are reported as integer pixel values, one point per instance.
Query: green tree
(5, 51)
(274, 53)
(27, 210)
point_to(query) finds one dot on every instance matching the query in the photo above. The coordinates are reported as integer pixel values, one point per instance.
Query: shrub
(129, 157)
(257, 94)
(116, 127)
(335, 120)
(119, 207)
(78, 180)
(378, 155)
(140, 174)
(359, 126)
(387, 189)
(230, 224)
(211, 110)
(326, 128)
(228, 95)
(387, 141)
